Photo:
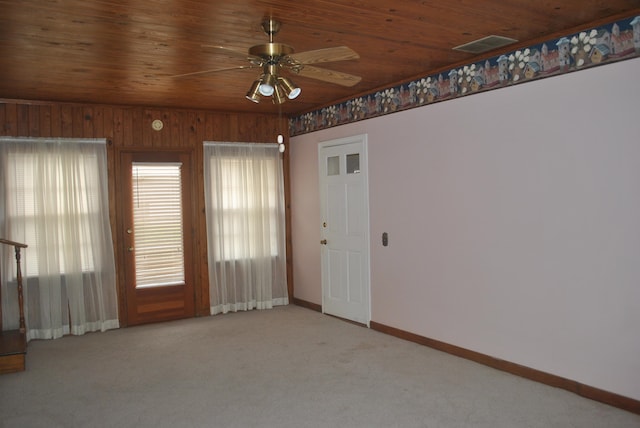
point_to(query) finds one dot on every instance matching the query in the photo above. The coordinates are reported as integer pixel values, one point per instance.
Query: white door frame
(364, 316)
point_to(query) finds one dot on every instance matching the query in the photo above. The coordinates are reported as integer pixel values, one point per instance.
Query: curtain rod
(54, 140)
(229, 144)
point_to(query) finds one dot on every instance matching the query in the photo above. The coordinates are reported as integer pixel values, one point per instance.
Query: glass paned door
(344, 244)
(157, 251)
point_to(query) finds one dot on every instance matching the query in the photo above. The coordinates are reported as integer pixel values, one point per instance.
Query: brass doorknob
(323, 242)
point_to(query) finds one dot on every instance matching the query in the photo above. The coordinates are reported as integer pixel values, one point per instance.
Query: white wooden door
(345, 228)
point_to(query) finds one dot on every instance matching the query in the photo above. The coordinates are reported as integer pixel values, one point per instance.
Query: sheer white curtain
(54, 198)
(244, 194)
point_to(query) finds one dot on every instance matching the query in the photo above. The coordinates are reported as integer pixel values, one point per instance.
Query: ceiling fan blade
(235, 52)
(198, 73)
(331, 76)
(340, 53)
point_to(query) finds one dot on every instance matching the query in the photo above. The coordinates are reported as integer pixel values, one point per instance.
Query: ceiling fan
(273, 57)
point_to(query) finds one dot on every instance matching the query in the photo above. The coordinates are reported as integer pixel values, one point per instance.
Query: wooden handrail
(17, 246)
(13, 243)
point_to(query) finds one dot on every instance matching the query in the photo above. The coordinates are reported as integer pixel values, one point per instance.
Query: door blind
(157, 221)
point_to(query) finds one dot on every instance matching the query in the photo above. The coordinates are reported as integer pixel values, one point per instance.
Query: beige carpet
(287, 367)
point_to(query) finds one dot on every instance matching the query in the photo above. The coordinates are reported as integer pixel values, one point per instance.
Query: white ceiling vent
(485, 44)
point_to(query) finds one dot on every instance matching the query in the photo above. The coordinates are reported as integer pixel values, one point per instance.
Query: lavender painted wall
(514, 223)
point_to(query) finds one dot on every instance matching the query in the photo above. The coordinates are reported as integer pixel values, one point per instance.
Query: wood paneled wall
(129, 128)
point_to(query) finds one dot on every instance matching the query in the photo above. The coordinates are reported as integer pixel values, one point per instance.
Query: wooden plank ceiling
(125, 52)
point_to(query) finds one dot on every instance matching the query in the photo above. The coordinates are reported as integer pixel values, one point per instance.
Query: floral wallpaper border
(608, 43)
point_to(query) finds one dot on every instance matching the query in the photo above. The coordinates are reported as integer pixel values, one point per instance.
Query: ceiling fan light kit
(272, 58)
(289, 87)
(267, 84)
(254, 92)
(270, 84)
(278, 95)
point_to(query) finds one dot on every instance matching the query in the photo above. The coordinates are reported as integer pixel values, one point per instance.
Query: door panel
(345, 229)
(158, 256)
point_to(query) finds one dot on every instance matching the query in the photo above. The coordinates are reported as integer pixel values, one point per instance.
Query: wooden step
(13, 348)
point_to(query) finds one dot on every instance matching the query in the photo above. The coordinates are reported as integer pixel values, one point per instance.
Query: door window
(157, 221)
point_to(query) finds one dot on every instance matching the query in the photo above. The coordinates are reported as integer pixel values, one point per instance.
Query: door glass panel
(353, 163)
(157, 222)
(333, 165)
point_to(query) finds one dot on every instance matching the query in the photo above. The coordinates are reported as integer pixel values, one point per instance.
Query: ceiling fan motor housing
(270, 50)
